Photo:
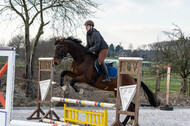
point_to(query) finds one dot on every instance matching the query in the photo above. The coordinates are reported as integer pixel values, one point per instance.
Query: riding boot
(105, 72)
(98, 66)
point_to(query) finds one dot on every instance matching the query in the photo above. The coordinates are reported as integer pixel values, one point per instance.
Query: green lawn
(175, 84)
(18, 64)
(150, 80)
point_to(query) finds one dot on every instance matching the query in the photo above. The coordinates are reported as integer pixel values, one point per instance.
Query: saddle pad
(112, 71)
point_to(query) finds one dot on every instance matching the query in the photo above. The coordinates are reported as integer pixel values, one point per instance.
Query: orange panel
(2, 71)
(2, 100)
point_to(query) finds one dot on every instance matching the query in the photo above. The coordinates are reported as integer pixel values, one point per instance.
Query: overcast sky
(127, 22)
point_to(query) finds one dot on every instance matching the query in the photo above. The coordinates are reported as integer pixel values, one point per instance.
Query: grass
(17, 63)
(150, 80)
(175, 84)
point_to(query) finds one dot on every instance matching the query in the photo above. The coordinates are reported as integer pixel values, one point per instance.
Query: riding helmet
(89, 22)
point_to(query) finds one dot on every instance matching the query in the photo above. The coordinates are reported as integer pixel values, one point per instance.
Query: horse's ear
(56, 40)
(62, 40)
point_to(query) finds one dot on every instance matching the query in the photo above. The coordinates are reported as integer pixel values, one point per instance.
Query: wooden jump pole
(45, 65)
(135, 65)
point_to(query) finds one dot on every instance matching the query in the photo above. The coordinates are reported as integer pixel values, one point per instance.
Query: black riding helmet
(89, 22)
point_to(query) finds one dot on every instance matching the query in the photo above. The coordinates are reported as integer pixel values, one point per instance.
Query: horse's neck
(76, 52)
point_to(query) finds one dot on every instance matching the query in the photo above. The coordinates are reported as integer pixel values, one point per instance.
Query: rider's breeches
(102, 55)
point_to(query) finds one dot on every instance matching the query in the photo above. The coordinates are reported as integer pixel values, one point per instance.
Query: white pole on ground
(28, 123)
(168, 86)
(58, 122)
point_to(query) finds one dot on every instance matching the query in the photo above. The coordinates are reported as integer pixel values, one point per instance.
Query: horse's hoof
(64, 88)
(62, 81)
(76, 89)
(81, 91)
(61, 84)
(130, 122)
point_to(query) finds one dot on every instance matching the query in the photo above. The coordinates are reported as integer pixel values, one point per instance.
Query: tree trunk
(30, 88)
(189, 87)
(184, 85)
(157, 89)
(37, 37)
(33, 50)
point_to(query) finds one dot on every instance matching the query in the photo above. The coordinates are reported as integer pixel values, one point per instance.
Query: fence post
(157, 89)
(166, 107)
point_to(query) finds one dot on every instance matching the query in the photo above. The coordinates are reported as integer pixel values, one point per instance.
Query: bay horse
(83, 70)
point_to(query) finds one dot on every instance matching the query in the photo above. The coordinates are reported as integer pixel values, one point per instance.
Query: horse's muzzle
(55, 63)
(57, 60)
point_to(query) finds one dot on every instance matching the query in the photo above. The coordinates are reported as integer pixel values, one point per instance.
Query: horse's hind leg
(126, 120)
(132, 109)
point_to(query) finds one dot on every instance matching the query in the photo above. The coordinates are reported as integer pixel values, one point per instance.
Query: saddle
(112, 71)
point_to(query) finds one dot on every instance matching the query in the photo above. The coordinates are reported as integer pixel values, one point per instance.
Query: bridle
(61, 55)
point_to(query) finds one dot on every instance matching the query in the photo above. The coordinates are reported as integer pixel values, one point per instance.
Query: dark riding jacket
(95, 41)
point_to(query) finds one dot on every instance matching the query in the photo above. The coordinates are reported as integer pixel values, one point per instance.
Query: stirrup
(106, 79)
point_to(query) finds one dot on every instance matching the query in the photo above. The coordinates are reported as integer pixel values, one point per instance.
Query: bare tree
(41, 13)
(2, 44)
(130, 46)
(135, 53)
(17, 42)
(175, 52)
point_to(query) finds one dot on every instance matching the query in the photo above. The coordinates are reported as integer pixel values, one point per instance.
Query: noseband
(62, 54)
(58, 57)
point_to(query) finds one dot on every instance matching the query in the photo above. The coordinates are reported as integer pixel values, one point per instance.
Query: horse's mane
(79, 43)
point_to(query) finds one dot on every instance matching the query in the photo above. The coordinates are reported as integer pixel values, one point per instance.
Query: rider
(97, 45)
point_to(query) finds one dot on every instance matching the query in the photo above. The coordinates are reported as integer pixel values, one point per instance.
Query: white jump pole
(84, 102)
(5, 114)
(58, 122)
(28, 123)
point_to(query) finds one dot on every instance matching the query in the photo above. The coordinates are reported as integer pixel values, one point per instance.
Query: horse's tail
(150, 95)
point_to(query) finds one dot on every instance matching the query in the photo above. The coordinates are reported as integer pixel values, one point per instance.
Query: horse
(83, 70)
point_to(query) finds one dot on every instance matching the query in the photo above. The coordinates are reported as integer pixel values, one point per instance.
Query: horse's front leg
(68, 73)
(79, 79)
